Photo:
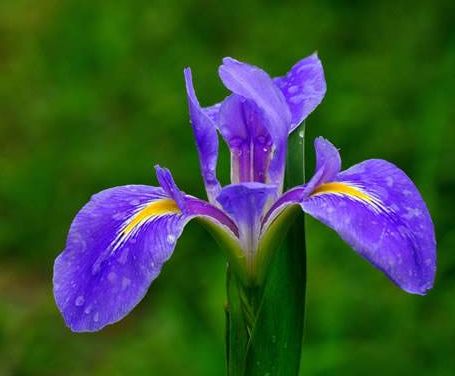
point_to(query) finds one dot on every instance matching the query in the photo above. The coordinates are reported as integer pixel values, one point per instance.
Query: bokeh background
(92, 96)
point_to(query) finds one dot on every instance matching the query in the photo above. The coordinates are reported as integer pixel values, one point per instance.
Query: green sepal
(230, 246)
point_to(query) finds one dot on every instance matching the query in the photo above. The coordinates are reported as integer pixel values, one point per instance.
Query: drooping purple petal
(206, 139)
(245, 203)
(391, 227)
(376, 209)
(241, 124)
(116, 247)
(256, 85)
(303, 87)
(107, 266)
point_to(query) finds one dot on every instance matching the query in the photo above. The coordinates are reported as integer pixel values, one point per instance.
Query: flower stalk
(264, 322)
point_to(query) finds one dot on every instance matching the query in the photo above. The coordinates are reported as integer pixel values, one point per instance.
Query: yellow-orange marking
(346, 189)
(156, 208)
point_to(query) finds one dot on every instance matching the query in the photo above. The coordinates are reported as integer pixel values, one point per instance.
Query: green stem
(264, 323)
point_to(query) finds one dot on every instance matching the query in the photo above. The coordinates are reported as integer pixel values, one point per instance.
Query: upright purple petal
(256, 85)
(303, 87)
(246, 204)
(116, 247)
(166, 181)
(241, 124)
(206, 139)
(328, 162)
(376, 209)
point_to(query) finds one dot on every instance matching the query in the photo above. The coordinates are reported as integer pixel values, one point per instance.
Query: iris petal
(116, 247)
(246, 204)
(256, 85)
(303, 87)
(206, 138)
(380, 213)
(242, 126)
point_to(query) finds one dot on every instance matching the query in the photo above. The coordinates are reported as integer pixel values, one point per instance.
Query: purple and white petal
(303, 87)
(242, 125)
(328, 163)
(116, 247)
(166, 181)
(256, 85)
(378, 210)
(246, 203)
(206, 139)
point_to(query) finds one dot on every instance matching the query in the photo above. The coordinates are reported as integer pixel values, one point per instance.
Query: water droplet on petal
(117, 216)
(125, 283)
(170, 239)
(79, 301)
(96, 317)
(123, 257)
(297, 99)
(293, 89)
(112, 277)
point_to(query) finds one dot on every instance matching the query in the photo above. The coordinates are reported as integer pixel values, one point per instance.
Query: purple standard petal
(303, 87)
(328, 163)
(206, 138)
(166, 181)
(116, 247)
(256, 85)
(376, 209)
(246, 204)
(241, 124)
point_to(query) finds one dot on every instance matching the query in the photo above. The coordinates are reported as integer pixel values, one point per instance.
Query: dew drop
(123, 257)
(125, 283)
(293, 89)
(96, 317)
(297, 99)
(79, 301)
(134, 202)
(112, 277)
(170, 239)
(117, 216)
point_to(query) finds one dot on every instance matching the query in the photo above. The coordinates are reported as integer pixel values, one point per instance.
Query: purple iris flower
(119, 241)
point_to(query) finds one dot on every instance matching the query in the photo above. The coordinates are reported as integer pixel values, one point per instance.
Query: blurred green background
(92, 96)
